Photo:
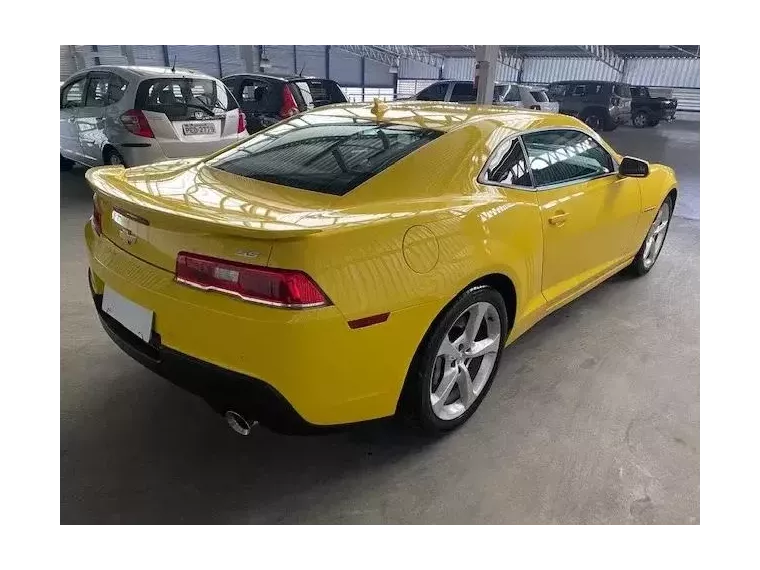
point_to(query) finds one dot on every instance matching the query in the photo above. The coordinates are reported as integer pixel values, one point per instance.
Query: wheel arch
(106, 151)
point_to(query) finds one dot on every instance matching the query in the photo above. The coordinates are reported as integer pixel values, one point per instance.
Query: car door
(588, 212)
(72, 98)
(91, 118)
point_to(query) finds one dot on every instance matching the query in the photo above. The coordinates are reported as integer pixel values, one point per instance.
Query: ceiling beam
(390, 54)
(606, 55)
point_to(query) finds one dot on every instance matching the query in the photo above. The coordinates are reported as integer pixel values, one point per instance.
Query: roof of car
(583, 81)
(144, 71)
(274, 77)
(448, 116)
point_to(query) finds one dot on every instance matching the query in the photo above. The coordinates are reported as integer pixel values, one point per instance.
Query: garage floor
(593, 417)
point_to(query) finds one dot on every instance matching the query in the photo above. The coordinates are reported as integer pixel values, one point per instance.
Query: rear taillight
(136, 123)
(96, 220)
(276, 287)
(289, 107)
(241, 121)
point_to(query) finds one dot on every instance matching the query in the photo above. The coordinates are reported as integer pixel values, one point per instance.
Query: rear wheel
(456, 362)
(641, 120)
(113, 158)
(594, 120)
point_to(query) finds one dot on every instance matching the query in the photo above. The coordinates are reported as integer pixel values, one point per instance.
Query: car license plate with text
(198, 129)
(136, 319)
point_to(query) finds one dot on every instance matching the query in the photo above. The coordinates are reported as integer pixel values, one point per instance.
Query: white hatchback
(140, 115)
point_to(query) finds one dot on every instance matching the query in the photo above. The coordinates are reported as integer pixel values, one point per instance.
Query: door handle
(559, 218)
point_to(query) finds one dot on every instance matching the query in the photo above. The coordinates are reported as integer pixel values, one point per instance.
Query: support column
(248, 57)
(485, 71)
(129, 54)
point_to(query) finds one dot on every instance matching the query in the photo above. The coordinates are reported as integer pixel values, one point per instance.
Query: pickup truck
(647, 110)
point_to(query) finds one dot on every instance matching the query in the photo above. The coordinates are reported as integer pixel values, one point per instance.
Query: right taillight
(286, 288)
(241, 121)
(289, 106)
(96, 218)
(136, 123)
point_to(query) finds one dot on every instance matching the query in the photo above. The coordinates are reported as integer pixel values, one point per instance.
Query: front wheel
(594, 121)
(655, 238)
(456, 362)
(640, 120)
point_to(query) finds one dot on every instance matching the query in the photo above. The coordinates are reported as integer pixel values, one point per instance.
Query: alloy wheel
(656, 235)
(465, 360)
(640, 120)
(594, 121)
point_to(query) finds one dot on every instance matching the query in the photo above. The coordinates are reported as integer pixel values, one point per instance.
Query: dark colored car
(649, 110)
(266, 99)
(602, 105)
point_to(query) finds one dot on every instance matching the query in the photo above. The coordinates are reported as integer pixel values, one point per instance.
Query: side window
(578, 91)
(116, 88)
(259, 95)
(557, 90)
(435, 92)
(508, 165)
(73, 94)
(97, 91)
(513, 94)
(463, 92)
(564, 155)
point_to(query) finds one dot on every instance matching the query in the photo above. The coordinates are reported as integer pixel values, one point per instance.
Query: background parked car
(602, 105)
(648, 110)
(267, 100)
(140, 115)
(503, 93)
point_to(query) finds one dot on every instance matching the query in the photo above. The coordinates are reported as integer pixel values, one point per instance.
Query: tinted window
(463, 92)
(326, 154)
(324, 92)
(97, 91)
(182, 98)
(557, 90)
(513, 94)
(508, 166)
(559, 156)
(436, 92)
(539, 96)
(116, 88)
(622, 90)
(73, 94)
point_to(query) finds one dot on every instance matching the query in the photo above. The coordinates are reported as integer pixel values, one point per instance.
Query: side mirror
(633, 167)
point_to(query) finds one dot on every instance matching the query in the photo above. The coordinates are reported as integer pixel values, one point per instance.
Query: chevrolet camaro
(360, 261)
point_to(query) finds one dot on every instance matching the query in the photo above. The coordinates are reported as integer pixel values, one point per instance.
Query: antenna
(174, 64)
(300, 73)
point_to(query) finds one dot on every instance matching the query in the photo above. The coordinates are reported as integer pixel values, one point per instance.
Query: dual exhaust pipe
(238, 423)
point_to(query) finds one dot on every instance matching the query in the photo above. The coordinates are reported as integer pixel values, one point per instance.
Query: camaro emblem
(243, 253)
(126, 236)
(198, 115)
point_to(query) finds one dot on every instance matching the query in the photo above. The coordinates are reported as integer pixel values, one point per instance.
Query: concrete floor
(593, 417)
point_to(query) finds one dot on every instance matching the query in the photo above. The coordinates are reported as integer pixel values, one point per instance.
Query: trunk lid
(157, 211)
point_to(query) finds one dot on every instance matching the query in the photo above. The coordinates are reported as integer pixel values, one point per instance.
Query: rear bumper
(148, 151)
(326, 372)
(222, 389)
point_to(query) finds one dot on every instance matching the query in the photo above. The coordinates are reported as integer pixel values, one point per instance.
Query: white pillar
(485, 70)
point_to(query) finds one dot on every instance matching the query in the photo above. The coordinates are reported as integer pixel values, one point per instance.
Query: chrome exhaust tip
(238, 423)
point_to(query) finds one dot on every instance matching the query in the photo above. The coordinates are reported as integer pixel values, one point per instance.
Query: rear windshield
(321, 92)
(622, 90)
(540, 96)
(331, 155)
(182, 99)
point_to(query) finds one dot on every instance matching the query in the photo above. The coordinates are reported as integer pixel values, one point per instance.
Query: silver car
(139, 115)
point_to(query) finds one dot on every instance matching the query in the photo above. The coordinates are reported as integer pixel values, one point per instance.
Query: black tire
(640, 119)
(112, 157)
(415, 404)
(66, 164)
(594, 120)
(638, 267)
(654, 122)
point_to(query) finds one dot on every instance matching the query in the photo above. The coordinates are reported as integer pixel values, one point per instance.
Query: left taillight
(96, 219)
(241, 121)
(276, 287)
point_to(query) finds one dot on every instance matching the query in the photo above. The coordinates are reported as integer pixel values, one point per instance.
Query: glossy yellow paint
(406, 242)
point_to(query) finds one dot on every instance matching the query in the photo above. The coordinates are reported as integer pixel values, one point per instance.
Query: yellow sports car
(358, 261)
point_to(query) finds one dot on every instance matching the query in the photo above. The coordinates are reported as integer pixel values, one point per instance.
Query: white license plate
(198, 129)
(132, 316)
